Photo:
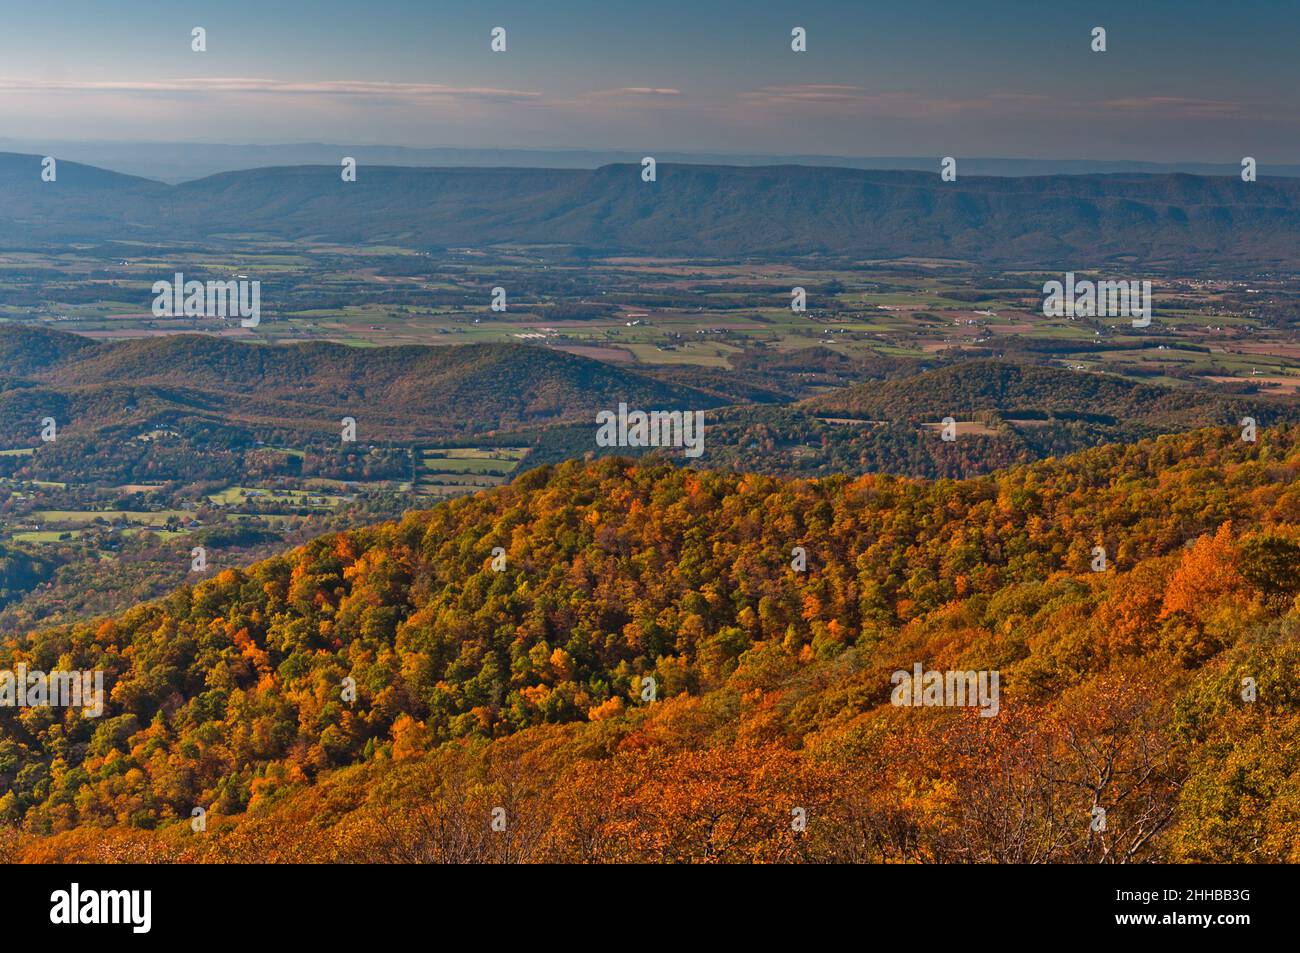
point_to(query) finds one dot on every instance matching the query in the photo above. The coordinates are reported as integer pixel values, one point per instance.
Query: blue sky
(1192, 80)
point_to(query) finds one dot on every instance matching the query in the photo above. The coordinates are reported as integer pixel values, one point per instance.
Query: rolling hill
(1039, 393)
(394, 393)
(1009, 412)
(223, 395)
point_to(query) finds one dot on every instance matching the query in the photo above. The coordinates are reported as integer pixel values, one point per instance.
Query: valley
(181, 432)
(427, 590)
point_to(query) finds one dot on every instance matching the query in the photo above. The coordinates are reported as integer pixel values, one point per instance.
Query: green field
(457, 470)
(145, 518)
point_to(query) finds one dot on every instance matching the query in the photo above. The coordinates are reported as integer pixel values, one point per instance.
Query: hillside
(1014, 390)
(83, 202)
(690, 210)
(221, 396)
(1008, 413)
(522, 689)
(393, 392)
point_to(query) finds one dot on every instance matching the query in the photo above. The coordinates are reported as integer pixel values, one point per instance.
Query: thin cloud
(862, 101)
(397, 92)
(637, 91)
(1176, 106)
(825, 92)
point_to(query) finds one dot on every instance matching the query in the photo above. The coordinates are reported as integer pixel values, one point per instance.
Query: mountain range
(696, 210)
(182, 161)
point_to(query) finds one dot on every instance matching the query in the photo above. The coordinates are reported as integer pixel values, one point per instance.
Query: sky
(1195, 80)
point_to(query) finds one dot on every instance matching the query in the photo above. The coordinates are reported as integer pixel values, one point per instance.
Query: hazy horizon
(179, 161)
(944, 80)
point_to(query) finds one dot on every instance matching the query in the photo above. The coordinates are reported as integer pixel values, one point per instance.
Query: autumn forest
(1161, 689)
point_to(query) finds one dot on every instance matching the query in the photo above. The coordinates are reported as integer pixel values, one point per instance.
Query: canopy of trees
(1163, 691)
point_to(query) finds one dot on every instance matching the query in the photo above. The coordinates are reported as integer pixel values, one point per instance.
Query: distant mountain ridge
(692, 210)
(182, 161)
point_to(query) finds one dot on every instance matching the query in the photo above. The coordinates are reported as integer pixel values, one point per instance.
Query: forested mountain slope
(523, 688)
